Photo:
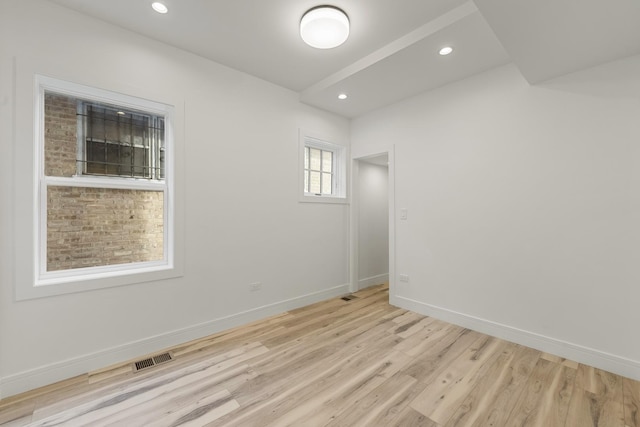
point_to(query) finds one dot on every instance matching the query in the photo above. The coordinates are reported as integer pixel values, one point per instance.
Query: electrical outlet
(404, 278)
(256, 286)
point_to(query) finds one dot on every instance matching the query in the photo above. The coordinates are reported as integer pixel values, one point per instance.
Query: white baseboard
(609, 362)
(58, 371)
(373, 280)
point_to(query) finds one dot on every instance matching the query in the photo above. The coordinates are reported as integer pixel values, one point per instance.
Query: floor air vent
(348, 297)
(152, 361)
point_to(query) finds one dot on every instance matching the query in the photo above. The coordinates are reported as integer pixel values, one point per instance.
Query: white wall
(242, 223)
(373, 224)
(523, 208)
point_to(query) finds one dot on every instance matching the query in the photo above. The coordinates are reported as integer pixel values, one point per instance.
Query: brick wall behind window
(60, 140)
(89, 227)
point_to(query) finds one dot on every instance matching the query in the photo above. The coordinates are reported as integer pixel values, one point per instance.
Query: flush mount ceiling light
(159, 7)
(324, 27)
(342, 96)
(445, 50)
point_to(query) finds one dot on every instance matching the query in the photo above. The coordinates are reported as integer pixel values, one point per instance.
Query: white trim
(58, 371)
(113, 182)
(373, 280)
(96, 94)
(610, 362)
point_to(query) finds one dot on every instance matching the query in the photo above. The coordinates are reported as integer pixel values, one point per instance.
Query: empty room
(299, 213)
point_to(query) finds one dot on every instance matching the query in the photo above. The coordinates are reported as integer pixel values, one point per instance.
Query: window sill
(51, 286)
(324, 199)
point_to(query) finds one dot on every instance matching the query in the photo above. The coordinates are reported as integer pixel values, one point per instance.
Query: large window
(105, 184)
(323, 169)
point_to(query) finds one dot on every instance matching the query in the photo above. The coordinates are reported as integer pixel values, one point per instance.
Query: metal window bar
(112, 161)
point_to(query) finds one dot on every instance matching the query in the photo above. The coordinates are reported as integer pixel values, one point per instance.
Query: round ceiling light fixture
(342, 96)
(445, 50)
(159, 7)
(324, 27)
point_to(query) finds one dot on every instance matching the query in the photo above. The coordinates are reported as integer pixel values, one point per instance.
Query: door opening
(372, 222)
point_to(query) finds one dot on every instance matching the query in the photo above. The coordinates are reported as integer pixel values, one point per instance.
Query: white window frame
(79, 279)
(339, 169)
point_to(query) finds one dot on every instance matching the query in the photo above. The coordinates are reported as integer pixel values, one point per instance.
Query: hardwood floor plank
(597, 399)
(199, 412)
(490, 401)
(631, 398)
(445, 393)
(274, 393)
(330, 399)
(379, 407)
(561, 360)
(175, 399)
(102, 402)
(545, 399)
(409, 417)
(17, 413)
(437, 356)
(420, 342)
(104, 407)
(18, 422)
(74, 384)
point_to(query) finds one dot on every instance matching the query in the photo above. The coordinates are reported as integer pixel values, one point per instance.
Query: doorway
(372, 222)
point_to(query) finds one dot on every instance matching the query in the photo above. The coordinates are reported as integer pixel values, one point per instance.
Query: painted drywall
(523, 205)
(373, 224)
(241, 223)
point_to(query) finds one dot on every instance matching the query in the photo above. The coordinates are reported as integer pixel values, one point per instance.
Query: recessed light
(342, 96)
(445, 50)
(159, 7)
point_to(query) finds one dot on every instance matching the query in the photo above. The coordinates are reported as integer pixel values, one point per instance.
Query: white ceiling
(391, 53)
(550, 38)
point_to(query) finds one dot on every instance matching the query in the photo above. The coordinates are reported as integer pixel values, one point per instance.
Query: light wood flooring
(340, 363)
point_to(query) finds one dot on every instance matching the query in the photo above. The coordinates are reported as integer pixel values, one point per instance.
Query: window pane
(314, 182)
(306, 181)
(140, 162)
(117, 155)
(327, 161)
(315, 158)
(95, 157)
(306, 158)
(116, 142)
(116, 129)
(326, 183)
(89, 227)
(140, 130)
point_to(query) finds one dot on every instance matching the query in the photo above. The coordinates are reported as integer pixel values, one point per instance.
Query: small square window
(323, 170)
(318, 177)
